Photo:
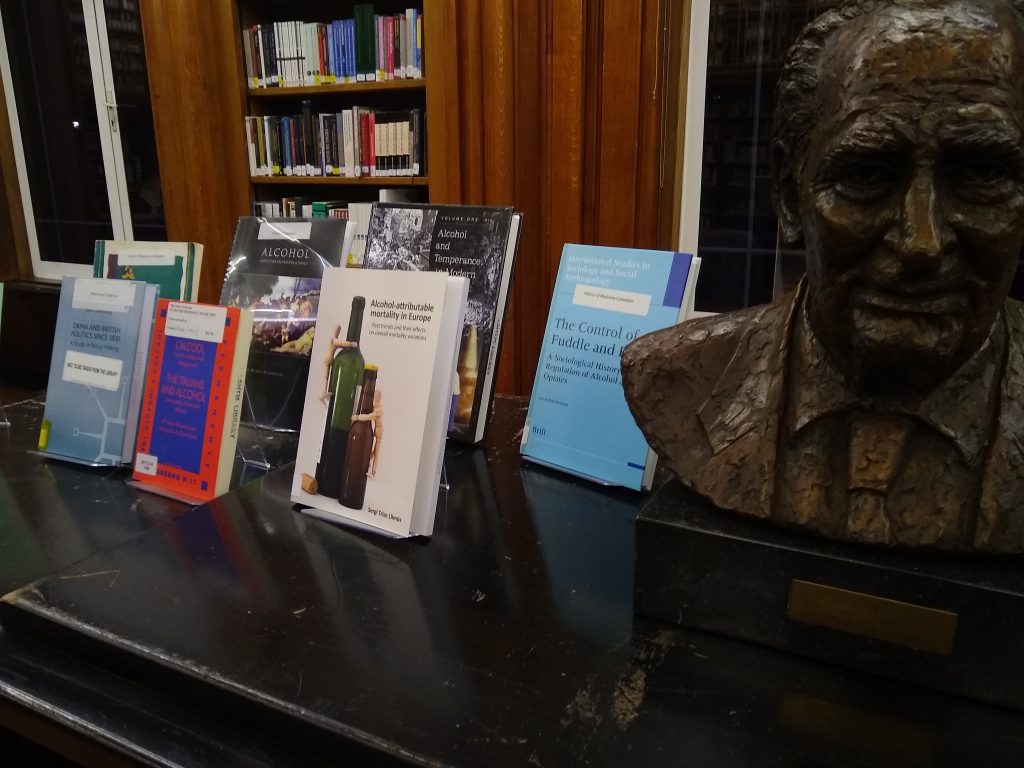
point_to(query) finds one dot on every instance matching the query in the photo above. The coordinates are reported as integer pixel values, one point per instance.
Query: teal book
(96, 370)
(604, 298)
(174, 267)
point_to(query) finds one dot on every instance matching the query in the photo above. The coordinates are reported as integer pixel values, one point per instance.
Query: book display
(479, 243)
(604, 298)
(392, 367)
(192, 404)
(274, 271)
(312, 525)
(96, 370)
(334, 100)
(174, 267)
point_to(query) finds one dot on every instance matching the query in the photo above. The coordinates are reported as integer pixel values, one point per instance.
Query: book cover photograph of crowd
(881, 400)
(283, 310)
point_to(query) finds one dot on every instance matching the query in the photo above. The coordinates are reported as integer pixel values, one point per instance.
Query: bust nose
(920, 237)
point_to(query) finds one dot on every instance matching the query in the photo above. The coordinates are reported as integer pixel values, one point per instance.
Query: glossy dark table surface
(506, 639)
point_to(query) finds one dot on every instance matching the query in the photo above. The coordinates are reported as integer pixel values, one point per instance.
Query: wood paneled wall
(561, 113)
(554, 106)
(196, 85)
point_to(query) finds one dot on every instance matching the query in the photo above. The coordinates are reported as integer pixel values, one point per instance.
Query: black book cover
(275, 270)
(472, 241)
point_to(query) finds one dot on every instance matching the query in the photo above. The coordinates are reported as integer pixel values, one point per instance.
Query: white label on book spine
(195, 321)
(146, 259)
(104, 295)
(627, 302)
(145, 464)
(92, 370)
(281, 230)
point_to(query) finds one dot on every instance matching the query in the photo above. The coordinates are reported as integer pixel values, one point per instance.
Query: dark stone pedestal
(955, 623)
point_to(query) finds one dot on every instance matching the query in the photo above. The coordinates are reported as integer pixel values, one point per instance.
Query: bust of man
(883, 400)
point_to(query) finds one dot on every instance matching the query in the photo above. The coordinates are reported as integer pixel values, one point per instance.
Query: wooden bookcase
(386, 95)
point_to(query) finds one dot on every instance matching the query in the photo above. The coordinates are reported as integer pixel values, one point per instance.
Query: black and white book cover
(476, 242)
(275, 269)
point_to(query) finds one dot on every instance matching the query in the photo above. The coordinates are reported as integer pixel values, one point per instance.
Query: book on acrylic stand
(578, 420)
(192, 401)
(384, 354)
(97, 367)
(274, 270)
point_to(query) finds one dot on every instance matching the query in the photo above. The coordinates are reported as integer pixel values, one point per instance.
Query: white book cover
(379, 398)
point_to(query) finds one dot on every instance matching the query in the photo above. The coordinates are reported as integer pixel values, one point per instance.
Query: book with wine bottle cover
(274, 270)
(378, 398)
(578, 420)
(476, 242)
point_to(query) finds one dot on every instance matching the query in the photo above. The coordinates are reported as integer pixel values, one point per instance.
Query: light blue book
(604, 298)
(96, 370)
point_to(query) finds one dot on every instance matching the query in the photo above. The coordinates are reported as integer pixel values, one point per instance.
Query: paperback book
(578, 420)
(475, 242)
(383, 360)
(174, 267)
(274, 270)
(192, 402)
(96, 370)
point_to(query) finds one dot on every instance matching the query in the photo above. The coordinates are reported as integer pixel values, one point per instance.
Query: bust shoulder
(699, 350)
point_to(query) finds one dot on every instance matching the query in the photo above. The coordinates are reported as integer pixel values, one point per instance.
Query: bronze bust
(881, 401)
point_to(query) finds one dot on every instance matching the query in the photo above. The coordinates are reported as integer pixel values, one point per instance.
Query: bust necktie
(877, 444)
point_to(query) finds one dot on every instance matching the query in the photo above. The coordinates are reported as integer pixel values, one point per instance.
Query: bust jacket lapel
(741, 416)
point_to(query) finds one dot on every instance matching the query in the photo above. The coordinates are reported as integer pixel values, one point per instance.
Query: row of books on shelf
(352, 143)
(367, 47)
(298, 342)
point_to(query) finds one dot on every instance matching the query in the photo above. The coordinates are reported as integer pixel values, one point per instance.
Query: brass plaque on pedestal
(906, 624)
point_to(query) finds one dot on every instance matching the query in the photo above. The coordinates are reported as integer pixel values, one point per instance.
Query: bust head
(899, 164)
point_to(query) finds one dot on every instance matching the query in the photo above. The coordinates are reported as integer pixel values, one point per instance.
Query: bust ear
(785, 194)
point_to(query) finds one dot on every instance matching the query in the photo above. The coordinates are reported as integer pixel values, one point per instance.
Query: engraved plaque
(892, 621)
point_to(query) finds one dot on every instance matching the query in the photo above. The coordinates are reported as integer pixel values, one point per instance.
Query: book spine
(307, 135)
(398, 43)
(418, 166)
(259, 60)
(233, 400)
(131, 420)
(98, 266)
(413, 71)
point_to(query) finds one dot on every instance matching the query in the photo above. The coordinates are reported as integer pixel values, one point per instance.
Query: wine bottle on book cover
(174, 267)
(96, 370)
(578, 420)
(274, 270)
(192, 402)
(406, 357)
(343, 369)
(476, 242)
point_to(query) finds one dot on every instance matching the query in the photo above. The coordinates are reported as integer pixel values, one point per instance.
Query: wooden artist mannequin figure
(883, 400)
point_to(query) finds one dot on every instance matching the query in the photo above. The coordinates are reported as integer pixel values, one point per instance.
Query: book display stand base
(949, 622)
(252, 454)
(4, 421)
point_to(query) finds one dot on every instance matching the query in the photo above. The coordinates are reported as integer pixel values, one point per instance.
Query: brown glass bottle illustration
(362, 437)
(343, 369)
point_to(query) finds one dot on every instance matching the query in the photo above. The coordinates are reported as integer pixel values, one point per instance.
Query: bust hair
(796, 97)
